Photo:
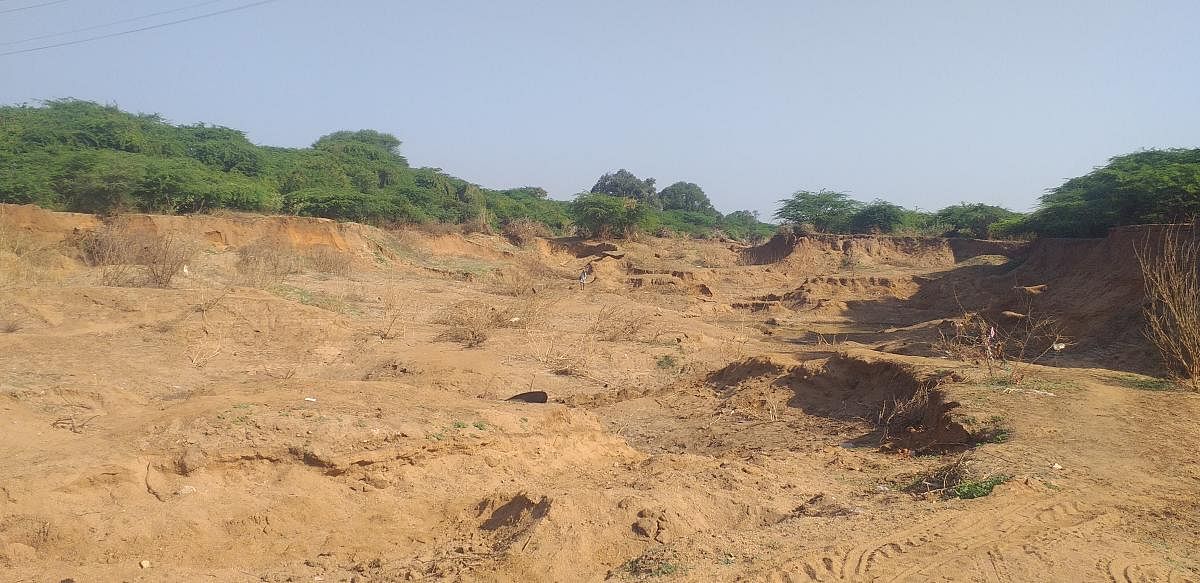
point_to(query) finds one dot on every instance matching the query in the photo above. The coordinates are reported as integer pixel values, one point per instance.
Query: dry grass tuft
(1171, 270)
(9, 325)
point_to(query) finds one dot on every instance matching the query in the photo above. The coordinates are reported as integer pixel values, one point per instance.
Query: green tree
(826, 210)
(624, 184)
(602, 216)
(99, 182)
(1154, 186)
(972, 220)
(686, 196)
(878, 217)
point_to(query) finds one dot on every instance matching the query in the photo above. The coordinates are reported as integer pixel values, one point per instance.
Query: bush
(1154, 186)
(266, 263)
(470, 322)
(164, 256)
(877, 217)
(329, 260)
(1171, 270)
(128, 256)
(601, 216)
(524, 231)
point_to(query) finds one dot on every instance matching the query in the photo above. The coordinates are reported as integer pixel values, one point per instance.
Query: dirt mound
(823, 253)
(826, 253)
(220, 231)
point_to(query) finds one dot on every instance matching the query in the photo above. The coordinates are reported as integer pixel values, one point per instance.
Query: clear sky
(924, 103)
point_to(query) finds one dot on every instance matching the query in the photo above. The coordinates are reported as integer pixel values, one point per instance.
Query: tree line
(81, 156)
(1152, 186)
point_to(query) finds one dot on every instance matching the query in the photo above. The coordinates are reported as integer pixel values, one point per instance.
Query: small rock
(882, 488)
(144, 564)
(184, 491)
(1056, 467)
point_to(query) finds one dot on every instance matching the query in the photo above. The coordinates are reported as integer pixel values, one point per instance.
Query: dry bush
(524, 231)
(9, 325)
(1171, 271)
(614, 324)
(557, 357)
(469, 322)
(128, 256)
(113, 248)
(266, 263)
(477, 225)
(976, 339)
(329, 260)
(511, 282)
(164, 256)
(396, 313)
(904, 412)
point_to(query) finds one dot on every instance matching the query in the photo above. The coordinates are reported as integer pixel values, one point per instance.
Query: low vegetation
(471, 322)
(130, 256)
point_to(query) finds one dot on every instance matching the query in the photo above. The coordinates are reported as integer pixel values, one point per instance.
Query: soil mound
(829, 252)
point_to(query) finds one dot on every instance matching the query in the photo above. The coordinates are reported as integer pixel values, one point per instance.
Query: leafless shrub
(524, 231)
(128, 256)
(203, 348)
(266, 262)
(557, 357)
(10, 325)
(512, 282)
(1171, 270)
(1017, 346)
(470, 322)
(614, 323)
(114, 249)
(397, 312)
(164, 256)
(904, 411)
(329, 260)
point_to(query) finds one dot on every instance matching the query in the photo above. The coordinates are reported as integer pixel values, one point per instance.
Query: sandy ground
(713, 415)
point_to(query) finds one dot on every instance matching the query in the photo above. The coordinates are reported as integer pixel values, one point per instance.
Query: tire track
(1125, 571)
(965, 537)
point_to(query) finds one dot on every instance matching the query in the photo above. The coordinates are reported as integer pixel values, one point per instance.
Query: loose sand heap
(315, 401)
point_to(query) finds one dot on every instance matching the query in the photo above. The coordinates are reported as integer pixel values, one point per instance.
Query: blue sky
(923, 103)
